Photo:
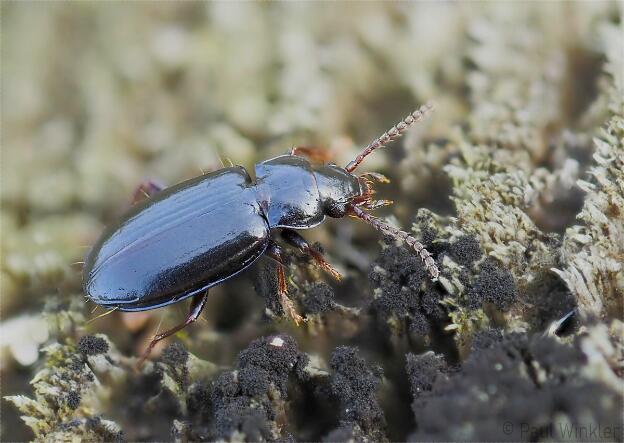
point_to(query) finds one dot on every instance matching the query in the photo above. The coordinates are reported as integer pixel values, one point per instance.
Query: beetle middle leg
(197, 305)
(275, 252)
(295, 239)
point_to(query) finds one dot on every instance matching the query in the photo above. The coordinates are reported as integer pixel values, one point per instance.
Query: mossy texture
(515, 184)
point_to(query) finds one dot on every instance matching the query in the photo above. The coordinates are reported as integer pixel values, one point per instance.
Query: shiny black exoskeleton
(187, 238)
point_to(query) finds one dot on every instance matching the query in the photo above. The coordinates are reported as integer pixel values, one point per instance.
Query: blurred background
(97, 97)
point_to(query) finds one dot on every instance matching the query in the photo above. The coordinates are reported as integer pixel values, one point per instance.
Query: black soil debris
(354, 382)
(514, 388)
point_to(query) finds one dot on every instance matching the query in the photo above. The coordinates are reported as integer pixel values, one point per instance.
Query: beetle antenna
(403, 236)
(390, 135)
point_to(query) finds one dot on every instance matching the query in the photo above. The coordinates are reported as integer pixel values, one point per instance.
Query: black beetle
(187, 238)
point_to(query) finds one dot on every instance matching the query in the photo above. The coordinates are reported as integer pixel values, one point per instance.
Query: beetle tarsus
(197, 305)
(295, 239)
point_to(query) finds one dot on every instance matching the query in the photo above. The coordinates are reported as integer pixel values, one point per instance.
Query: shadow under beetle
(183, 240)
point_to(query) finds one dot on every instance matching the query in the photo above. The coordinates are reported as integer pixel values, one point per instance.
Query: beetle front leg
(295, 239)
(197, 305)
(147, 189)
(275, 252)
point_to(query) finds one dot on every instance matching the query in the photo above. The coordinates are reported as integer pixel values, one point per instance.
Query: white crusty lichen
(68, 395)
(603, 346)
(594, 251)
(492, 194)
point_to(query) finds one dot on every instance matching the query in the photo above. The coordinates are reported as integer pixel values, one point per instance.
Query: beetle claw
(289, 308)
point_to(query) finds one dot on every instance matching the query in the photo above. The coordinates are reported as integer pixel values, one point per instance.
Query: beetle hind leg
(275, 252)
(295, 239)
(197, 305)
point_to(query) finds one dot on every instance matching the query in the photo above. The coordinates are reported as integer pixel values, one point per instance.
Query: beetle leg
(275, 252)
(314, 153)
(295, 239)
(197, 304)
(147, 189)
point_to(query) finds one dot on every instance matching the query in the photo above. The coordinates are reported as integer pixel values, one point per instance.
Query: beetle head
(337, 188)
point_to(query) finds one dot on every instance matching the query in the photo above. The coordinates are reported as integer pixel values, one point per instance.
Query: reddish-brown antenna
(392, 134)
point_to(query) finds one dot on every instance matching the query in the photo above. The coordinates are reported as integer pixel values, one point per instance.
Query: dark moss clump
(319, 298)
(401, 268)
(514, 388)
(276, 355)
(199, 402)
(495, 285)
(73, 399)
(486, 338)
(253, 381)
(405, 293)
(234, 411)
(347, 432)
(423, 371)
(139, 402)
(250, 400)
(354, 382)
(92, 345)
(430, 304)
(466, 250)
(175, 354)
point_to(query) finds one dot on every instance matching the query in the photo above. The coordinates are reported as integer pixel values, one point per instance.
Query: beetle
(184, 239)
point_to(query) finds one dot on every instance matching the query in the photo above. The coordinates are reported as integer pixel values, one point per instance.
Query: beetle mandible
(184, 239)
